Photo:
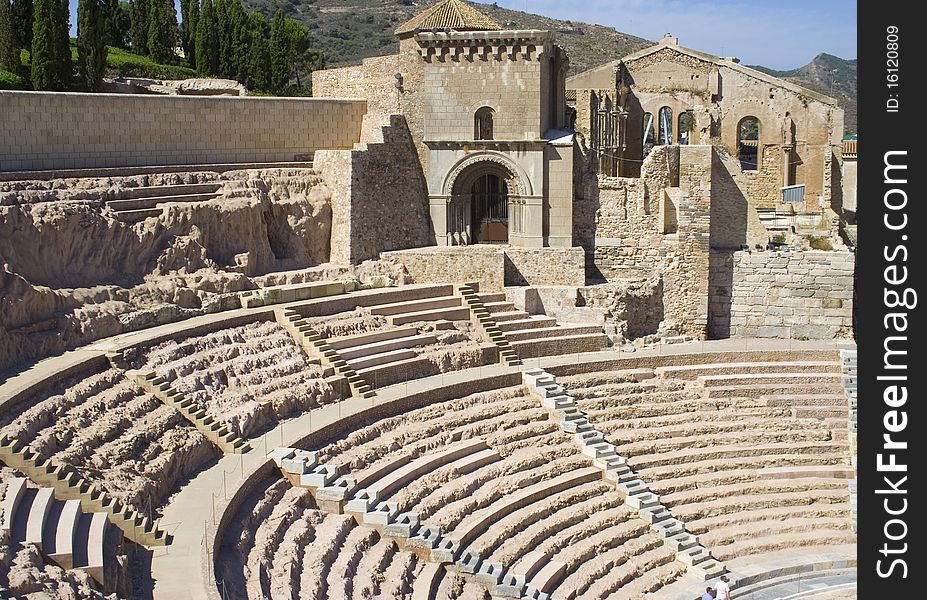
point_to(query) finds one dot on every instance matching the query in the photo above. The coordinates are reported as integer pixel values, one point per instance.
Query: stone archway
(484, 201)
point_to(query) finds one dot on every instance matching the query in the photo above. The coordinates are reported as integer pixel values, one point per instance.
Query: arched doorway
(481, 204)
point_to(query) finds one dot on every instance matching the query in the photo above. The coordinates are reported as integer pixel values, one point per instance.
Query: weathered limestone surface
(378, 192)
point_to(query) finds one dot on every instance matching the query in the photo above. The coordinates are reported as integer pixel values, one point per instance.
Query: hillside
(348, 31)
(351, 30)
(829, 75)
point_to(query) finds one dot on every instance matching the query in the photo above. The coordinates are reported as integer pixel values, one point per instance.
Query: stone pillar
(437, 206)
(532, 233)
(786, 164)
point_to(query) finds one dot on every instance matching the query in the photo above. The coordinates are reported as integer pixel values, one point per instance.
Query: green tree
(162, 28)
(258, 75)
(23, 16)
(139, 28)
(240, 40)
(279, 54)
(117, 23)
(300, 57)
(9, 57)
(51, 52)
(188, 26)
(62, 27)
(193, 10)
(91, 46)
(207, 43)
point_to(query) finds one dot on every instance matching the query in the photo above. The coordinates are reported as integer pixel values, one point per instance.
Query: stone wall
(622, 224)
(44, 130)
(454, 264)
(493, 267)
(373, 80)
(379, 200)
(780, 295)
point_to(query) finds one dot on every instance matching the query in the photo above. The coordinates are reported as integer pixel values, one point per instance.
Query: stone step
(414, 306)
(151, 202)
(550, 332)
(491, 297)
(383, 358)
(569, 344)
(499, 307)
(526, 323)
(372, 337)
(768, 378)
(399, 343)
(155, 191)
(732, 368)
(137, 216)
(766, 389)
(446, 314)
(511, 315)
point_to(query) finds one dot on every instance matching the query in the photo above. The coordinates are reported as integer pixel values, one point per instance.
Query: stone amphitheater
(427, 336)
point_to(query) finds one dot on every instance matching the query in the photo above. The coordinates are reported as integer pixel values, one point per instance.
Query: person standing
(723, 589)
(709, 594)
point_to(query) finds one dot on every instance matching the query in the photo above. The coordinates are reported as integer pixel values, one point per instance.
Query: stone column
(437, 206)
(532, 233)
(786, 164)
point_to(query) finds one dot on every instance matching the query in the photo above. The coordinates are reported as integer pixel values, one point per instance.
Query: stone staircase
(220, 435)
(316, 346)
(487, 325)
(64, 533)
(535, 336)
(137, 204)
(388, 356)
(69, 485)
(848, 364)
(606, 458)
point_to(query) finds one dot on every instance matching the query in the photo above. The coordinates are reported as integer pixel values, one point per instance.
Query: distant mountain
(348, 31)
(830, 75)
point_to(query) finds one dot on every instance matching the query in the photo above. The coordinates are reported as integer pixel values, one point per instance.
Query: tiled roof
(451, 14)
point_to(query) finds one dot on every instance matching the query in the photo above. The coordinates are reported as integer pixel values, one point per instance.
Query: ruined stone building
(783, 135)
(648, 164)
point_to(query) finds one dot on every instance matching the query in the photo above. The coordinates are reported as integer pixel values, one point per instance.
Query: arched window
(650, 135)
(666, 125)
(748, 143)
(686, 127)
(482, 127)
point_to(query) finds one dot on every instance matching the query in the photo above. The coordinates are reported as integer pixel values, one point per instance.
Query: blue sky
(783, 34)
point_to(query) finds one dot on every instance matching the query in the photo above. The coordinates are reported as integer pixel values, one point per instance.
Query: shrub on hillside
(819, 243)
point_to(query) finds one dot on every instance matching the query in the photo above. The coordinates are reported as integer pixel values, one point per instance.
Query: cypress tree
(193, 9)
(91, 49)
(50, 67)
(9, 55)
(185, 37)
(23, 16)
(207, 47)
(139, 27)
(279, 54)
(241, 40)
(258, 62)
(62, 28)
(161, 31)
(224, 37)
(117, 23)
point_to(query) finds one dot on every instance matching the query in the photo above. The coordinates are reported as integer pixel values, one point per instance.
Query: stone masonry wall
(44, 130)
(373, 81)
(379, 198)
(781, 295)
